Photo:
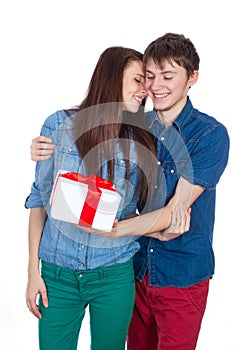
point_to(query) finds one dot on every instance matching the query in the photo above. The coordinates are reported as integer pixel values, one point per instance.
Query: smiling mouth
(139, 99)
(160, 95)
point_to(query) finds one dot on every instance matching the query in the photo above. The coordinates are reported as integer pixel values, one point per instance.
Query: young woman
(105, 135)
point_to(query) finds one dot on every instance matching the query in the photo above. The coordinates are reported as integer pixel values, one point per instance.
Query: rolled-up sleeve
(40, 191)
(34, 199)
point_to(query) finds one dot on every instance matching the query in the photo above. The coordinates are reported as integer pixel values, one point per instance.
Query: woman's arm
(35, 285)
(180, 223)
(154, 222)
(164, 224)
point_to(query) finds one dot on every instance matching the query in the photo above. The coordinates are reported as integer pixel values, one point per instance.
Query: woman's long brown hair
(101, 122)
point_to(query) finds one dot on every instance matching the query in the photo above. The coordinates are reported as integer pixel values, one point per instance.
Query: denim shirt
(62, 243)
(196, 148)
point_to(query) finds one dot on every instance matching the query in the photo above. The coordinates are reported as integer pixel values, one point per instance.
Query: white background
(48, 51)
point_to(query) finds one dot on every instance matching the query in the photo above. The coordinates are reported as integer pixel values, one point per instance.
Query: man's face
(168, 88)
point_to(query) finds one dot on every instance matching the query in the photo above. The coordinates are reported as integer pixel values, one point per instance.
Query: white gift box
(89, 201)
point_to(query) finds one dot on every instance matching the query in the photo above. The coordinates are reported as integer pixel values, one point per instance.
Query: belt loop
(57, 273)
(102, 274)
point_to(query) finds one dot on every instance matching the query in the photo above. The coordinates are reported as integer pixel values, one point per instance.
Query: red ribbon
(93, 195)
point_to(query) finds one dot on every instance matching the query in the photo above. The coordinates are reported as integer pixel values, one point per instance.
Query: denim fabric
(62, 243)
(196, 148)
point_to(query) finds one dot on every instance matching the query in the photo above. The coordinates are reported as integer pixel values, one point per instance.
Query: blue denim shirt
(62, 243)
(196, 148)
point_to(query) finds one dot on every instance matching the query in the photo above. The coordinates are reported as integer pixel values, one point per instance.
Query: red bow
(93, 195)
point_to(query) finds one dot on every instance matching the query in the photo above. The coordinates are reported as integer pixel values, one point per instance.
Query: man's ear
(193, 78)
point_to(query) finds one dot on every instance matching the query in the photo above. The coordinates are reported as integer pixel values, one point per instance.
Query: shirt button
(158, 162)
(80, 275)
(162, 138)
(172, 171)
(82, 246)
(151, 250)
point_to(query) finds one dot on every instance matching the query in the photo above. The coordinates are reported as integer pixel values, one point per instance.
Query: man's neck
(165, 119)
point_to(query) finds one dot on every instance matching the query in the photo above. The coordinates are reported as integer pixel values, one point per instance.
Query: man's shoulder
(205, 118)
(204, 123)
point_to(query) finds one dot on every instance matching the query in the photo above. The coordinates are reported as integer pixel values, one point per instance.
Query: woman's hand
(35, 287)
(179, 224)
(42, 148)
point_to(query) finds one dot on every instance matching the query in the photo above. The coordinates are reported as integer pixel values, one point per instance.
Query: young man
(172, 278)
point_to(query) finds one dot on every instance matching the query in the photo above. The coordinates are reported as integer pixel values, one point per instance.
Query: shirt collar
(179, 122)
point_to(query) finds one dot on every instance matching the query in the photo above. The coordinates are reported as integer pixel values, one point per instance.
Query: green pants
(108, 291)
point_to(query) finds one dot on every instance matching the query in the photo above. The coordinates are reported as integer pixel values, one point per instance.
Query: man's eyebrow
(162, 72)
(168, 71)
(149, 71)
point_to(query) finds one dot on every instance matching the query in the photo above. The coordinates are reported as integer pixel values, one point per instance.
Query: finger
(184, 217)
(188, 219)
(181, 216)
(37, 158)
(41, 138)
(115, 223)
(35, 311)
(40, 158)
(44, 298)
(43, 152)
(178, 220)
(175, 219)
(181, 212)
(39, 153)
(43, 147)
(33, 308)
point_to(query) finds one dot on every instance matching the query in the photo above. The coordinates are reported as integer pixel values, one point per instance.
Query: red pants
(167, 318)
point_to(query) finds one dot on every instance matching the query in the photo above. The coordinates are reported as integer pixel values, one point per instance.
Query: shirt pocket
(68, 159)
(169, 174)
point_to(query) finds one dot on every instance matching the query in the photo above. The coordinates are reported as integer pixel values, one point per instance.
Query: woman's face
(133, 89)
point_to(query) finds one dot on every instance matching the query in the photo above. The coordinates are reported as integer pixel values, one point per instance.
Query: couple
(162, 165)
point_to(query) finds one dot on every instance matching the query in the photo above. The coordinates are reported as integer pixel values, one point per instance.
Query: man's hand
(180, 223)
(42, 148)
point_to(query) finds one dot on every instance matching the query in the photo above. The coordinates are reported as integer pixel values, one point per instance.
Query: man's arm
(154, 222)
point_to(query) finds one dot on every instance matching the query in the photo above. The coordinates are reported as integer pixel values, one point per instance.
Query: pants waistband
(118, 268)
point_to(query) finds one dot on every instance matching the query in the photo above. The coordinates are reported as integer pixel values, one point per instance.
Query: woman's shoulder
(57, 118)
(61, 119)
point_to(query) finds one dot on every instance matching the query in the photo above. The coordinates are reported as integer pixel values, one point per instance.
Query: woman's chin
(131, 107)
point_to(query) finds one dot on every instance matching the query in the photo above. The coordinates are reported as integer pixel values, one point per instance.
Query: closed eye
(139, 81)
